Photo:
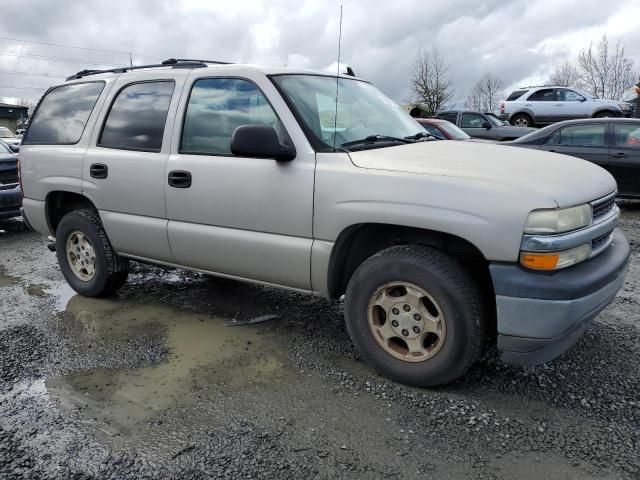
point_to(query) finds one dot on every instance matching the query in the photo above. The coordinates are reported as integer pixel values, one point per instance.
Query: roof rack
(171, 62)
(540, 86)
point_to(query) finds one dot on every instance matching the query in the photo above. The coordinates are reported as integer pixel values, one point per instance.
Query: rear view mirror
(260, 141)
(486, 125)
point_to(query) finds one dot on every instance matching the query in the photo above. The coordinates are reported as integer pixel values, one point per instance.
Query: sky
(520, 41)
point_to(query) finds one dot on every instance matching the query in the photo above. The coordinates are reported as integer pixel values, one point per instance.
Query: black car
(481, 125)
(612, 143)
(10, 193)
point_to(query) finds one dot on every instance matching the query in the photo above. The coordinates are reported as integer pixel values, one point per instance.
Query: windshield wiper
(420, 135)
(376, 139)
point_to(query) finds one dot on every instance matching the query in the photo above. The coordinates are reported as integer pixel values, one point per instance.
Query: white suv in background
(532, 106)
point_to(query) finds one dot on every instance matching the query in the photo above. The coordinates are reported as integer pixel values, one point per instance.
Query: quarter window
(217, 106)
(579, 135)
(137, 117)
(63, 114)
(626, 135)
(516, 95)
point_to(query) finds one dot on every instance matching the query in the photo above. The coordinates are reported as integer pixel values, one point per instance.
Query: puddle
(7, 280)
(204, 354)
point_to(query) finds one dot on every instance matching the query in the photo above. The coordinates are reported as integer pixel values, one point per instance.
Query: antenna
(335, 117)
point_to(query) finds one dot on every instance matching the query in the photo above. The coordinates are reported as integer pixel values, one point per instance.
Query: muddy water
(203, 354)
(6, 280)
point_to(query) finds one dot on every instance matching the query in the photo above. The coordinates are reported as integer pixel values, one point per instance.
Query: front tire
(605, 114)
(87, 260)
(415, 315)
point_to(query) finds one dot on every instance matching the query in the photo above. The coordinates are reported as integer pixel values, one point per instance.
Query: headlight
(541, 222)
(555, 260)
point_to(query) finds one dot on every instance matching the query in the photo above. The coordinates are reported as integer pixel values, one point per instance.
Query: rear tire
(521, 120)
(87, 260)
(431, 341)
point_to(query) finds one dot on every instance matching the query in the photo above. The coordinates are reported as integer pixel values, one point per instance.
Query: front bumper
(541, 315)
(10, 202)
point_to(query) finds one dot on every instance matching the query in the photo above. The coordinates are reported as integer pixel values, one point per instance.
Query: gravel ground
(169, 381)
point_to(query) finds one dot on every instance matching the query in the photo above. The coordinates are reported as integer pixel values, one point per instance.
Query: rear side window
(516, 95)
(63, 114)
(626, 135)
(137, 117)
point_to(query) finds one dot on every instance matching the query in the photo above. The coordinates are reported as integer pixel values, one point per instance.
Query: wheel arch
(358, 242)
(60, 202)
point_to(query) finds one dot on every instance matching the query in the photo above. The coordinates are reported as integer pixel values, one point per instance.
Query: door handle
(619, 155)
(179, 179)
(98, 170)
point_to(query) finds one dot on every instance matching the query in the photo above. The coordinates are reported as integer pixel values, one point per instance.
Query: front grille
(600, 242)
(8, 178)
(603, 206)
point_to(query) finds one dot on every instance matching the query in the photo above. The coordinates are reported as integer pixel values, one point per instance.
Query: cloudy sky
(520, 41)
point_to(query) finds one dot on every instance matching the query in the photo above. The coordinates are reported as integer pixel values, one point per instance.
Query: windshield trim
(317, 145)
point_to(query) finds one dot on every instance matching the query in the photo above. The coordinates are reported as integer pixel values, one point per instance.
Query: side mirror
(15, 148)
(582, 99)
(486, 125)
(260, 141)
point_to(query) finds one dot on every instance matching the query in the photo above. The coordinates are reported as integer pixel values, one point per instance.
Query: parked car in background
(613, 143)
(20, 132)
(446, 130)
(10, 193)
(628, 103)
(542, 105)
(8, 137)
(480, 125)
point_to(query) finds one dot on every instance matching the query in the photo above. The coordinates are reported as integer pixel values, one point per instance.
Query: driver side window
(472, 120)
(565, 95)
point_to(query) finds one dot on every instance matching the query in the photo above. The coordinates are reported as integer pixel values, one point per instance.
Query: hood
(567, 180)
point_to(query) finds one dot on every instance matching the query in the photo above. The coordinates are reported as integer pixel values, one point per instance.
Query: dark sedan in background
(10, 193)
(485, 126)
(612, 143)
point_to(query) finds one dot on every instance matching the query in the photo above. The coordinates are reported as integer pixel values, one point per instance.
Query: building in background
(13, 116)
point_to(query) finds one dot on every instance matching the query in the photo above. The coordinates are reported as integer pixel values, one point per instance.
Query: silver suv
(535, 106)
(259, 174)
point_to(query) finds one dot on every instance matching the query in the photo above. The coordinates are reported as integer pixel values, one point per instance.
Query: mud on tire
(446, 292)
(109, 271)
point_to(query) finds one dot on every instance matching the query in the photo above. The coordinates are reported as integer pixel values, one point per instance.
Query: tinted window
(472, 120)
(63, 114)
(137, 117)
(516, 95)
(544, 95)
(579, 135)
(449, 117)
(4, 148)
(432, 130)
(626, 135)
(217, 106)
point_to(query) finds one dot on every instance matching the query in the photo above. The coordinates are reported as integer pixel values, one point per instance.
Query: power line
(77, 47)
(3, 72)
(59, 59)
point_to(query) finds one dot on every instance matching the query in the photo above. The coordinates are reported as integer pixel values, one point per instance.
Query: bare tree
(606, 73)
(431, 82)
(485, 94)
(566, 75)
(26, 102)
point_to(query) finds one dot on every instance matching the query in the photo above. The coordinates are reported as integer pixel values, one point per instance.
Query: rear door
(624, 157)
(585, 141)
(249, 218)
(124, 167)
(542, 104)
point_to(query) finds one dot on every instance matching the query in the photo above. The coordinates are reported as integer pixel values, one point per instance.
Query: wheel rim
(521, 122)
(81, 256)
(406, 321)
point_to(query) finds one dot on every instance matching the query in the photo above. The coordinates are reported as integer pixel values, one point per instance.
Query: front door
(473, 125)
(243, 217)
(570, 105)
(585, 141)
(124, 166)
(624, 158)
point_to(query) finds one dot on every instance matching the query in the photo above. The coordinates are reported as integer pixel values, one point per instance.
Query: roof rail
(171, 62)
(541, 86)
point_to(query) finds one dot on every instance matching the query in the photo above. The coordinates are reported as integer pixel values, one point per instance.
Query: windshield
(453, 131)
(362, 111)
(4, 148)
(6, 133)
(496, 121)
